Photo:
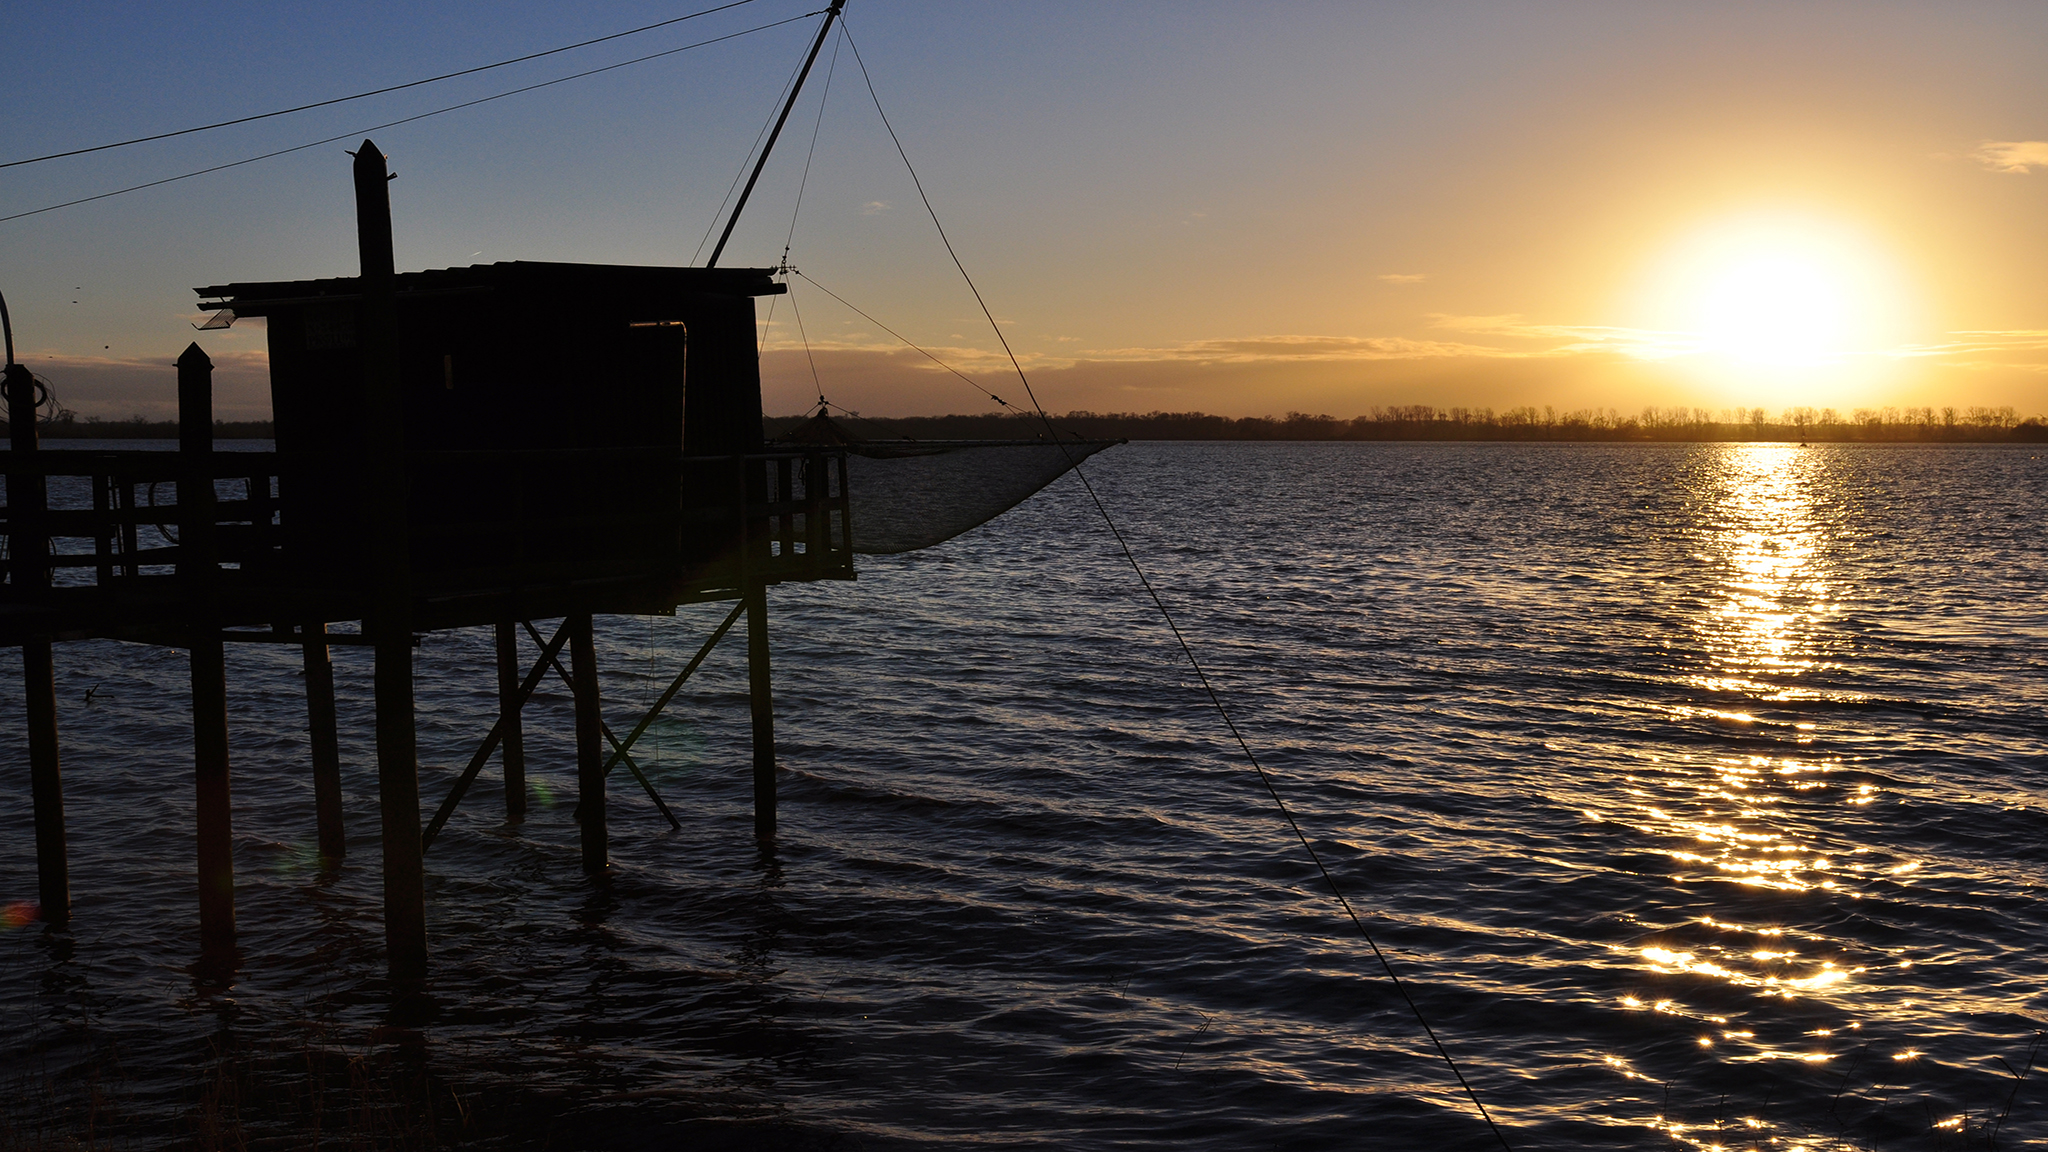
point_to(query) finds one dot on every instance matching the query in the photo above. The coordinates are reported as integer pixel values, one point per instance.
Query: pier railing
(111, 522)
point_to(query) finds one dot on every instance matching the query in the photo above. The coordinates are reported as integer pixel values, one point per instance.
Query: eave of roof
(249, 298)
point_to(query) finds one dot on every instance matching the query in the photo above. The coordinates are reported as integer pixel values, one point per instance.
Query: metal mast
(824, 29)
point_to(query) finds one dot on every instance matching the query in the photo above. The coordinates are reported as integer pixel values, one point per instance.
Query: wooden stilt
(323, 732)
(198, 571)
(589, 745)
(46, 782)
(760, 690)
(513, 736)
(398, 782)
(398, 796)
(27, 545)
(210, 779)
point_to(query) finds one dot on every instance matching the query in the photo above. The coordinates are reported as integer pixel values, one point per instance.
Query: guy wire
(824, 97)
(741, 174)
(906, 340)
(1187, 650)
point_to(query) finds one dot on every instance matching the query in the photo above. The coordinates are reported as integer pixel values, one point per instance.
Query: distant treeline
(1424, 422)
(68, 427)
(1400, 422)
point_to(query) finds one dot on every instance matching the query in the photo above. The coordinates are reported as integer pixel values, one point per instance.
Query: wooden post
(27, 545)
(514, 736)
(398, 782)
(198, 571)
(763, 703)
(324, 733)
(589, 745)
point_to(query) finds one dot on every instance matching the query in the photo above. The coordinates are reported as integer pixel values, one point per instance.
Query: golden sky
(1168, 206)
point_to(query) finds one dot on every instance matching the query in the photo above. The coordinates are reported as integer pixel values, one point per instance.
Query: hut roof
(569, 283)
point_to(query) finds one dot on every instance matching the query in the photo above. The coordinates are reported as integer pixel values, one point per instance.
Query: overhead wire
(1158, 602)
(410, 119)
(371, 92)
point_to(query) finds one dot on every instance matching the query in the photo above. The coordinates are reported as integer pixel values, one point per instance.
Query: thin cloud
(1577, 339)
(1295, 348)
(2009, 349)
(116, 387)
(874, 208)
(1404, 277)
(2018, 157)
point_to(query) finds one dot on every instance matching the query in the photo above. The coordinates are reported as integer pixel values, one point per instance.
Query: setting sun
(1779, 292)
(1774, 307)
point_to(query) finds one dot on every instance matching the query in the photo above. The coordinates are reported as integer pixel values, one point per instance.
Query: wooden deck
(115, 567)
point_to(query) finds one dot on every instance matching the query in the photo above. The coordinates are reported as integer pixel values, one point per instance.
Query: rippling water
(1696, 790)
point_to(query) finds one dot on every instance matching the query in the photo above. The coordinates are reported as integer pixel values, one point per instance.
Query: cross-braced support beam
(548, 649)
(618, 748)
(633, 737)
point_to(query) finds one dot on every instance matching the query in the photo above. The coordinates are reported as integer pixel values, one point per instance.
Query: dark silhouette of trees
(1428, 422)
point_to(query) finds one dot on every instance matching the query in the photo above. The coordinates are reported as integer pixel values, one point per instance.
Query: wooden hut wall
(615, 383)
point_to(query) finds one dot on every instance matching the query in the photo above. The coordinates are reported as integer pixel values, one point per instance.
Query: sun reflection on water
(1766, 530)
(1746, 812)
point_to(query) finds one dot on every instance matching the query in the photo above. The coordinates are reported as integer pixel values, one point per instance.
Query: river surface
(1695, 791)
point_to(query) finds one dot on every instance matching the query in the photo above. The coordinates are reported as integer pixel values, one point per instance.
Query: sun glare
(1768, 292)
(1774, 307)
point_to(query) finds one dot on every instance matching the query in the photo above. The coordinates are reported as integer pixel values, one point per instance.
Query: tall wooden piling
(512, 744)
(761, 696)
(590, 812)
(398, 784)
(28, 545)
(198, 572)
(323, 732)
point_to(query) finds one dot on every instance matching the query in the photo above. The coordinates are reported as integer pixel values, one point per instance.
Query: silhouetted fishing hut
(490, 445)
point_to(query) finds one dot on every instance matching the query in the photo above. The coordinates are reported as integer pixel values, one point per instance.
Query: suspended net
(911, 494)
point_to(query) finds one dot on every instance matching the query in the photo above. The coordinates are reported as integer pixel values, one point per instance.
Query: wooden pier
(470, 447)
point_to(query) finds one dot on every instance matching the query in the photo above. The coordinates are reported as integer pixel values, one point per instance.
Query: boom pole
(824, 30)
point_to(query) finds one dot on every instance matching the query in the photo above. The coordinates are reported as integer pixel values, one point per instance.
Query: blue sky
(1170, 205)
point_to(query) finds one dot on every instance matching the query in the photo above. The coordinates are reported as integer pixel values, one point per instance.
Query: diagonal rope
(806, 338)
(913, 346)
(1215, 699)
(741, 174)
(823, 98)
(371, 92)
(361, 132)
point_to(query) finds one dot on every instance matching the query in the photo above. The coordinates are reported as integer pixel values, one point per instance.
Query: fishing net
(911, 494)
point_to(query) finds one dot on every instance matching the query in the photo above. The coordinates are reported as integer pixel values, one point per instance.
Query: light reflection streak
(1743, 816)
